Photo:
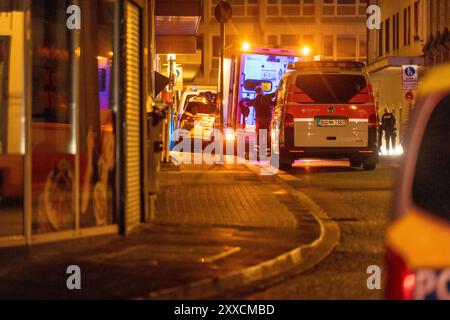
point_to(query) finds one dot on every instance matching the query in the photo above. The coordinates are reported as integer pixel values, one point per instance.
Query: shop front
(70, 120)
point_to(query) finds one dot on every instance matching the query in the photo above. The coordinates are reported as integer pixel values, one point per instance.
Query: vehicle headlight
(230, 136)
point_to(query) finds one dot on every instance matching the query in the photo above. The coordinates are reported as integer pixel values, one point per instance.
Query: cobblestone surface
(223, 196)
(211, 221)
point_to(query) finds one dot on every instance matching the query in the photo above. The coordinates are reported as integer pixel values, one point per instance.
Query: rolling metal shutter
(132, 117)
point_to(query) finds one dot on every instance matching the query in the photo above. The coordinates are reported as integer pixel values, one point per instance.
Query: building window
(388, 36)
(55, 142)
(362, 46)
(289, 40)
(380, 40)
(241, 8)
(395, 31)
(272, 40)
(344, 7)
(407, 26)
(416, 19)
(328, 46)
(346, 46)
(442, 14)
(290, 8)
(448, 12)
(307, 40)
(408, 36)
(293, 40)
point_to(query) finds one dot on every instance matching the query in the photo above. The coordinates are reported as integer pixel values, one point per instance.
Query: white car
(188, 95)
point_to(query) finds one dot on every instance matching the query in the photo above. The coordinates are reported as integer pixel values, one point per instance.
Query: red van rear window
(334, 88)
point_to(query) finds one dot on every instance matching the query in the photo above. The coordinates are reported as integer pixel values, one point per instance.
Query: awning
(444, 41)
(176, 26)
(394, 62)
(427, 46)
(434, 45)
(161, 81)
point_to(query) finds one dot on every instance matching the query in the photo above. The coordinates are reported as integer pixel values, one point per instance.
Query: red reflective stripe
(295, 94)
(299, 97)
(362, 112)
(360, 98)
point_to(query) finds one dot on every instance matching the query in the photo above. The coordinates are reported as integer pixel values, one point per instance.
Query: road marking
(228, 252)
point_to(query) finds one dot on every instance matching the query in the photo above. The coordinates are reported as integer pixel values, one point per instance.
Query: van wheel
(355, 163)
(369, 165)
(286, 166)
(282, 164)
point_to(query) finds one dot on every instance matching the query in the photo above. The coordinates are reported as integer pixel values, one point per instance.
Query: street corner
(299, 247)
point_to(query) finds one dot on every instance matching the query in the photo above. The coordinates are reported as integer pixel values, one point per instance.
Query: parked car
(418, 239)
(326, 109)
(200, 118)
(188, 95)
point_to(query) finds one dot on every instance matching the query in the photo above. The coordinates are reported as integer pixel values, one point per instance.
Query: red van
(326, 109)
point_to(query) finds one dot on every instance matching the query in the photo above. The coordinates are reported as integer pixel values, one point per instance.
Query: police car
(418, 240)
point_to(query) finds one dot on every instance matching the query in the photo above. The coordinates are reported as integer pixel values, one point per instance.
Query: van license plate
(331, 123)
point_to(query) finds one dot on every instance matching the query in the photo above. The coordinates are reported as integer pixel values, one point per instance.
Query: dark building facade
(437, 47)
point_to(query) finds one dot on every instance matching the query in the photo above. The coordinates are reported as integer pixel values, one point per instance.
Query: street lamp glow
(305, 51)
(172, 57)
(245, 46)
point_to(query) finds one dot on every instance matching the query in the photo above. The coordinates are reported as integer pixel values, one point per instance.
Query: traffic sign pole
(223, 14)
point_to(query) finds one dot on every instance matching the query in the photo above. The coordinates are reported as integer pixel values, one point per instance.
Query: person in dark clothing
(388, 122)
(263, 109)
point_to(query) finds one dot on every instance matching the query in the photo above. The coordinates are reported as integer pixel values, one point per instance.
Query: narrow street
(360, 202)
(198, 153)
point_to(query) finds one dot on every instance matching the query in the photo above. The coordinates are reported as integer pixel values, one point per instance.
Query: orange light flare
(245, 46)
(314, 163)
(306, 51)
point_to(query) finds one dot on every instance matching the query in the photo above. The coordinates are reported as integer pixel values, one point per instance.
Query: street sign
(223, 12)
(410, 86)
(410, 75)
(409, 96)
(178, 86)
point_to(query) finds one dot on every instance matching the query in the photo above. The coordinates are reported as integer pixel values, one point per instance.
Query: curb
(301, 258)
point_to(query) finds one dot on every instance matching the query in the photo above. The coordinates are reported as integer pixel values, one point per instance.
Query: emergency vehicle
(326, 109)
(247, 69)
(418, 239)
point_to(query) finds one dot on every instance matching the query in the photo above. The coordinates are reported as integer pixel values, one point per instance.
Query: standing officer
(388, 123)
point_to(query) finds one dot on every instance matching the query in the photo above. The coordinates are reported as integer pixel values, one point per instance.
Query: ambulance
(246, 69)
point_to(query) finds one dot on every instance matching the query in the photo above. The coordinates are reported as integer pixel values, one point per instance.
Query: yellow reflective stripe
(421, 241)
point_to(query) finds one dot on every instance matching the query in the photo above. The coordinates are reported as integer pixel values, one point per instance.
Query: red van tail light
(288, 120)
(364, 96)
(400, 281)
(373, 123)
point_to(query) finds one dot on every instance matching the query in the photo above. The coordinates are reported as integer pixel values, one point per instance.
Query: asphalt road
(360, 202)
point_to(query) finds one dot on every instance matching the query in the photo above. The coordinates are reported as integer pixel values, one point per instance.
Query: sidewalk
(211, 221)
